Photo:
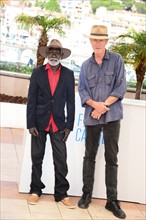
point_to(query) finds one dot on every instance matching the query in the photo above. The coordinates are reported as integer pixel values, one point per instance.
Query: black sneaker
(84, 201)
(114, 207)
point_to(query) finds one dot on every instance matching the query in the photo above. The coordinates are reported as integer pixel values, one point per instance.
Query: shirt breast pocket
(92, 81)
(109, 77)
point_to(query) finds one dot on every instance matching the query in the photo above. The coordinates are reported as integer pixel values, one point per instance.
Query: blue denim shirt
(98, 82)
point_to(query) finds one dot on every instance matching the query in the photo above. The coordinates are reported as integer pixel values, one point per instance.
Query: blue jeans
(59, 159)
(111, 137)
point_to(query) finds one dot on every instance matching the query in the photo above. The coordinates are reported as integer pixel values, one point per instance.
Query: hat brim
(97, 37)
(66, 52)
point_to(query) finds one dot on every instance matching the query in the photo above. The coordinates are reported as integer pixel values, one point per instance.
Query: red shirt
(53, 80)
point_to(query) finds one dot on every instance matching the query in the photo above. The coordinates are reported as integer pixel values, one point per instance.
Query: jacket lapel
(46, 81)
(59, 82)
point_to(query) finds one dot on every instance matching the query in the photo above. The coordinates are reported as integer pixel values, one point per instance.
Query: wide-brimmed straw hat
(55, 44)
(98, 32)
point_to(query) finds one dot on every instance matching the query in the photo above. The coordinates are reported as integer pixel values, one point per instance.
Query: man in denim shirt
(102, 85)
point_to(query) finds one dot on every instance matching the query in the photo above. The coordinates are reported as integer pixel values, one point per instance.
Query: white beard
(54, 61)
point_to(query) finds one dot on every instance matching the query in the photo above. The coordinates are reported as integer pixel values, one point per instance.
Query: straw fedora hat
(55, 44)
(98, 32)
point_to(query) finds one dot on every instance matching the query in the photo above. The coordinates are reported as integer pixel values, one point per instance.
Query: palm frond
(131, 46)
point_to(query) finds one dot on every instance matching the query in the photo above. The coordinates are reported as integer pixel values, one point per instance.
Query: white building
(75, 9)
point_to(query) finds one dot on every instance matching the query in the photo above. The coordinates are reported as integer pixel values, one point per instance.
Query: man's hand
(66, 132)
(100, 107)
(34, 131)
(95, 114)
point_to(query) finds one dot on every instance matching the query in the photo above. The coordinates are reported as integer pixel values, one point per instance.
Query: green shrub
(132, 84)
(16, 67)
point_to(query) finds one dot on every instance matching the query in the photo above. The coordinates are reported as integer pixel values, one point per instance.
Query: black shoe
(114, 207)
(84, 201)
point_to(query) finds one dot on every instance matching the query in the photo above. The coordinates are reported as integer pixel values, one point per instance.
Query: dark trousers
(111, 136)
(59, 159)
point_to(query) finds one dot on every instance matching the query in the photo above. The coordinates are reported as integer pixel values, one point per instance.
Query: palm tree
(44, 23)
(132, 47)
(4, 2)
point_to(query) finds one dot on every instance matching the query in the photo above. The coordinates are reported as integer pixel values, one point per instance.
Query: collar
(48, 67)
(106, 56)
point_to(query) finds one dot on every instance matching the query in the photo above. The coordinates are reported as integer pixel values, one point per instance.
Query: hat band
(99, 34)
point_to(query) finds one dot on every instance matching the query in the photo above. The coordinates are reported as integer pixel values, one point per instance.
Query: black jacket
(41, 103)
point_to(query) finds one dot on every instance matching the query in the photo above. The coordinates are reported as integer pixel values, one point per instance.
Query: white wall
(12, 115)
